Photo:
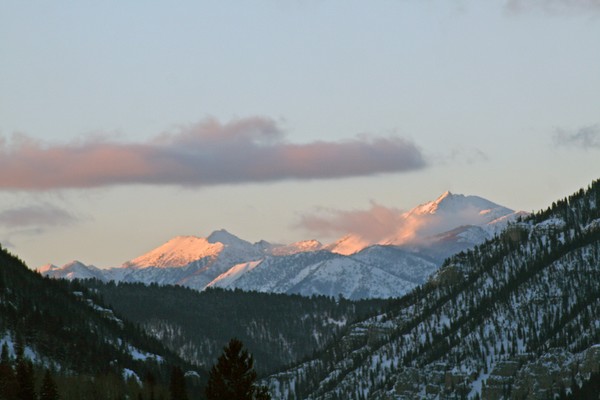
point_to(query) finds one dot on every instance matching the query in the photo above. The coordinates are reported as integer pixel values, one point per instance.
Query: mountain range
(516, 317)
(353, 267)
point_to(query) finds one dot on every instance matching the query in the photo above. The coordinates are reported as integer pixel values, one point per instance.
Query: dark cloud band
(209, 153)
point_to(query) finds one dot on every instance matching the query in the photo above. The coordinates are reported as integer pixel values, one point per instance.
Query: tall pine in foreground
(233, 377)
(48, 391)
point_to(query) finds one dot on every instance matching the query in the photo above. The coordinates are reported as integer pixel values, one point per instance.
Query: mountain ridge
(224, 260)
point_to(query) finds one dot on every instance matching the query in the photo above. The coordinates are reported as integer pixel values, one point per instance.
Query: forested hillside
(62, 327)
(277, 329)
(517, 317)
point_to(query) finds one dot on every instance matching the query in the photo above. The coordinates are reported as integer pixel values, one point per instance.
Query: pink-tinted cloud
(378, 224)
(389, 225)
(208, 153)
(373, 225)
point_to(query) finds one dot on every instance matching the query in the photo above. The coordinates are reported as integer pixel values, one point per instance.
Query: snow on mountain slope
(446, 213)
(425, 236)
(191, 261)
(349, 244)
(228, 278)
(423, 224)
(177, 252)
(377, 272)
(227, 239)
(297, 247)
(72, 270)
(458, 204)
(47, 268)
(399, 262)
(352, 279)
(183, 260)
(277, 273)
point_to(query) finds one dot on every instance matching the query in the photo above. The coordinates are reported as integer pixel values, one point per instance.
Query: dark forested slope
(62, 326)
(277, 329)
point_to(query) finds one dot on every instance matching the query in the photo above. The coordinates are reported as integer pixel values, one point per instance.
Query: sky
(123, 124)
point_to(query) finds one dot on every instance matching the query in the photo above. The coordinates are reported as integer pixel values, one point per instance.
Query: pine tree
(262, 393)
(25, 381)
(48, 391)
(232, 378)
(4, 355)
(177, 385)
(8, 381)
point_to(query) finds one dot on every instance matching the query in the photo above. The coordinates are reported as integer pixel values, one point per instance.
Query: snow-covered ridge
(297, 247)
(429, 233)
(177, 252)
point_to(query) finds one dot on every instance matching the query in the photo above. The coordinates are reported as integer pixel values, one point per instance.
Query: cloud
(585, 138)
(373, 225)
(553, 7)
(384, 225)
(208, 153)
(42, 215)
(378, 224)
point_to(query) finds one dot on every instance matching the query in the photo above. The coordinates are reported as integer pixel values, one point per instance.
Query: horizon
(123, 125)
(419, 231)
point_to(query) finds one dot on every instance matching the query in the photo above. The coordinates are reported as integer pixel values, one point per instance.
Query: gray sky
(123, 124)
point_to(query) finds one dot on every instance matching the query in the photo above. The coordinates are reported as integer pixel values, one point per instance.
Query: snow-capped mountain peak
(226, 238)
(47, 268)
(446, 195)
(432, 220)
(73, 270)
(177, 252)
(422, 237)
(459, 203)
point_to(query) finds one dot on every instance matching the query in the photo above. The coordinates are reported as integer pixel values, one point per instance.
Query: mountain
(428, 227)
(307, 273)
(376, 272)
(425, 236)
(72, 270)
(296, 247)
(516, 317)
(66, 328)
(177, 252)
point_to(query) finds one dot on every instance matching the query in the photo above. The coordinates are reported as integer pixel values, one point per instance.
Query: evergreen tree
(5, 356)
(150, 383)
(19, 346)
(232, 378)
(262, 393)
(48, 391)
(177, 385)
(25, 381)
(8, 381)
